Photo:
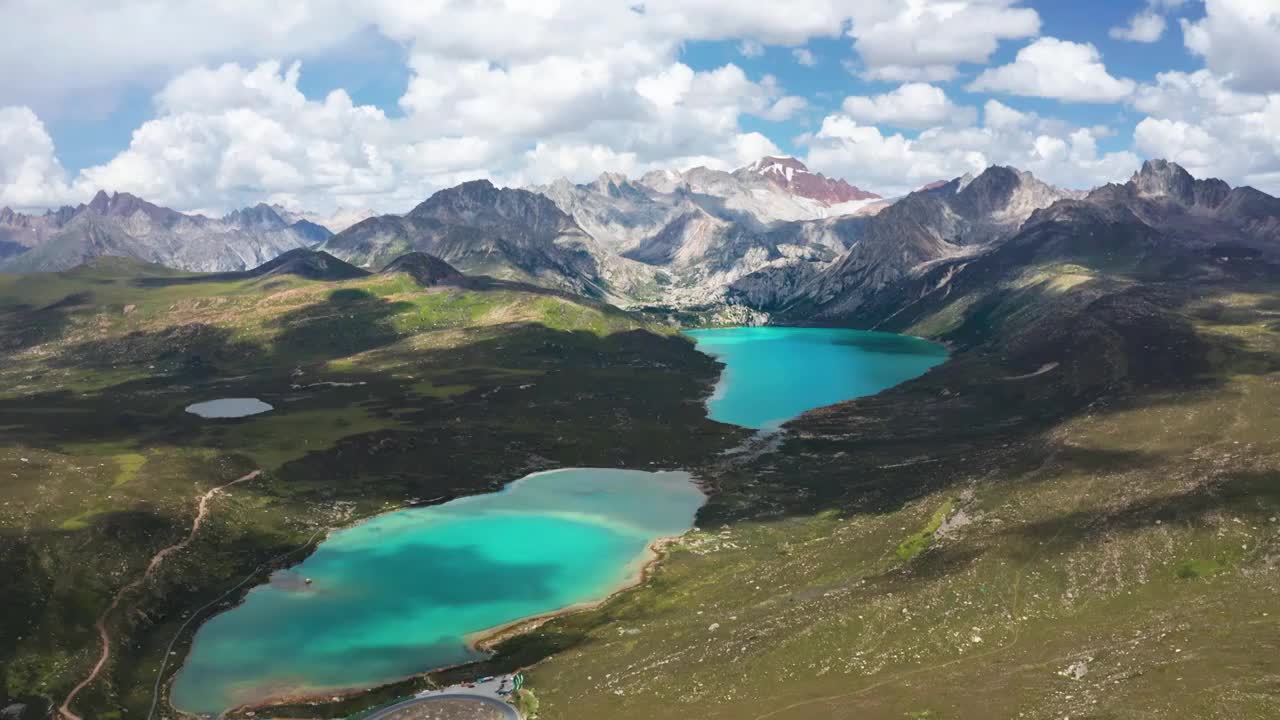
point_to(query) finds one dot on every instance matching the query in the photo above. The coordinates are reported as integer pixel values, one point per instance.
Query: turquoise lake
(400, 594)
(773, 374)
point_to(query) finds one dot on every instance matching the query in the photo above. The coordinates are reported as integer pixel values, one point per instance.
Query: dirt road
(203, 510)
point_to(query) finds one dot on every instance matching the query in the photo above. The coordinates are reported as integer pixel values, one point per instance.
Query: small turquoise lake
(773, 374)
(401, 593)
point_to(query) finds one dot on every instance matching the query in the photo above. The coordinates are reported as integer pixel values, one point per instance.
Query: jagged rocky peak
(480, 201)
(1168, 180)
(663, 181)
(610, 179)
(792, 175)
(123, 204)
(100, 203)
(467, 197)
(1161, 178)
(260, 217)
(1004, 193)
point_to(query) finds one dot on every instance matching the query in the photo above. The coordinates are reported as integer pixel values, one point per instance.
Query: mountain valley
(1074, 515)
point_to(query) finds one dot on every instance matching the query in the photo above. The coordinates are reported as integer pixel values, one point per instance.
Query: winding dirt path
(158, 559)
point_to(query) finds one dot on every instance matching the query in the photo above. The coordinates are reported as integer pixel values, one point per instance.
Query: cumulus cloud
(1054, 68)
(527, 91)
(1194, 96)
(750, 48)
(1145, 27)
(232, 135)
(1199, 120)
(1054, 152)
(67, 48)
(42, 44)
(926, 39)
(499, 89)
(30, 175)
(804, 56)
(73, 48)
(1239, 40)
(1148, 25)
(912, 105)
(228, 135)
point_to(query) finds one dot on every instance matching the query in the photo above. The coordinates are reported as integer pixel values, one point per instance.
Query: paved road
(484, 695)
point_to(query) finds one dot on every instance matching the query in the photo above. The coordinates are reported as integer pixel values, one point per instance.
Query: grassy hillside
(385, 394)
(1078, 516)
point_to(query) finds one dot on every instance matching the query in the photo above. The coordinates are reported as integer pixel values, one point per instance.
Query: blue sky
(829, 82)
(322, 105)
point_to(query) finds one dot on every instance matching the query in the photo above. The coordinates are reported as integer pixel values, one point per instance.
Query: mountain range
(125, 225)
(771, 237)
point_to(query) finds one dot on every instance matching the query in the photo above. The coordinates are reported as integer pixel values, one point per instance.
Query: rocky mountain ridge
(699, 239)
(960, 218)
(122, 224)
(1162, 224)
(510, 234)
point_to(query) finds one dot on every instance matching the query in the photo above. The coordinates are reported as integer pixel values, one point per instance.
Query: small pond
(229, 408)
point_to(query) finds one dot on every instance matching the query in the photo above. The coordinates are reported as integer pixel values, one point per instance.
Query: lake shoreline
(485, 641)
(482, 641)
(773, 374)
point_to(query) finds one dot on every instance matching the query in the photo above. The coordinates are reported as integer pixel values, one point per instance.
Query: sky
(326, 105)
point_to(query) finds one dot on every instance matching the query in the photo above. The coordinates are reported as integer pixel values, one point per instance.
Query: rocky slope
(705, 229)
(503, 232)
(127, 226)
(1162, 225)
(961, 218)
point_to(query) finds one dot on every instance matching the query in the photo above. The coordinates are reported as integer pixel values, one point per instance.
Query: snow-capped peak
(793, 176)
(786, 167)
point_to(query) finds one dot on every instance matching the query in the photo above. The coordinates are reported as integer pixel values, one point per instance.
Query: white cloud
(497, 88)
(1059, 69)
(1148, 24)
(804, 56)
(897, 164)
(231, 135)
(750, 48)
(52, 51)
(30, 175)
(784, 108)
(1193, 96)
(903, 40)
(1199, 121)
(44, 49)
(57, 50)
(912, 105)
(1239, 40)
(1145, 27)
(526, 91)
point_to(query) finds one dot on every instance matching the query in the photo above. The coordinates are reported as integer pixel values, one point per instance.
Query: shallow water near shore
(773, 374)
(399, 594)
